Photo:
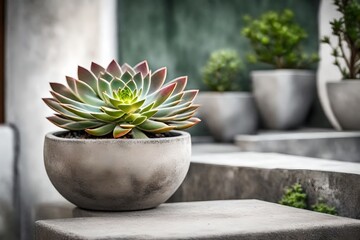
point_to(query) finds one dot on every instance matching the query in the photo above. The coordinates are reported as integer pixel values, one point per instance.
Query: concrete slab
(7, 159)
(265, 175)
(206, 148)
(319, 143)
(237, 219)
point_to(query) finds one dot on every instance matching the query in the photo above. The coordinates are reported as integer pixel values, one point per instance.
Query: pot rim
(343, 81)
(283, 71)
(228, 93)
(182, 135)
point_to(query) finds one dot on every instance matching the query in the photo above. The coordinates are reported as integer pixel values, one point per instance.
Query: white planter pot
(344, 100)
(283, 97)
(228, 114)
(117, 174)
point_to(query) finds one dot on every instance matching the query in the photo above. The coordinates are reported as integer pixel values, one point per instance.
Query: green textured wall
(180, 34)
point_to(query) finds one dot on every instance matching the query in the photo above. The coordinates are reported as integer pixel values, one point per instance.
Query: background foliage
(182, 34)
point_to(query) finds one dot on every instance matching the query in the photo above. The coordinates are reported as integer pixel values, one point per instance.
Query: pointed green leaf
(157, 80)
(81, 105)
(119, 131)
(126, 77)
(101, 131)
(117, 84)
(184, 124)
(127, 68)
(63, 90)
(113, 112)
(180, 84)
(160, 96)
(146, 85)
(96, 69)
(154, 126)
(87, 77)
(106, 76)
(103, 87)
(138, 134)
(104, 117)
(81, 125)
(131, 107)
(142, 67)
(114, 69)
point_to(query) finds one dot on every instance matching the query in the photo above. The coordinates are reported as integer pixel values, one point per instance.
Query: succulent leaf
(122, 100)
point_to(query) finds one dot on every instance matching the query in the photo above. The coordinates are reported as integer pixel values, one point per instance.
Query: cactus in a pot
(122, 100)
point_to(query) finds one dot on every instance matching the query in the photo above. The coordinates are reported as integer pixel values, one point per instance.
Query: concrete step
(237, 219)
(318, 143)
(264, 176)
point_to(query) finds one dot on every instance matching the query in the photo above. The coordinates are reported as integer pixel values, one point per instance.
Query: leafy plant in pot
(344, 95)
(284, 95)
(226, 112)
(123, 150)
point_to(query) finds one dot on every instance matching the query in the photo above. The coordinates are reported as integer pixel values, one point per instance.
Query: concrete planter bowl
(283, 97)
(228, 114)
(117, 174)
(344, 100)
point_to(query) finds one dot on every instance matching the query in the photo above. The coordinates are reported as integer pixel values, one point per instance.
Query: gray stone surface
(237, 219)
(345, 101)
(46, 40)
(7, 164)
(318, 143)
(264, 176)
(283, 96)
(228, 113)
(206, 148)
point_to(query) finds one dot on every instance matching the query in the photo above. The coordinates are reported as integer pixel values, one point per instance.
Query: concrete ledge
(329, 144)
(264, 176)
(238, 219)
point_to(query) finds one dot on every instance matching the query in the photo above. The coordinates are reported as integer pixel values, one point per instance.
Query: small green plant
(122, 101)
(346, 30)
(222, 70)
(275, 39)
(294, 196)
(322, 207)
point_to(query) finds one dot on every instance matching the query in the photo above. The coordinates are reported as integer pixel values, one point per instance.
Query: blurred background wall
(46, 40)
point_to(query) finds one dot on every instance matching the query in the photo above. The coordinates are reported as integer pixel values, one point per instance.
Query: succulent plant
(122, 100)
(221, 72)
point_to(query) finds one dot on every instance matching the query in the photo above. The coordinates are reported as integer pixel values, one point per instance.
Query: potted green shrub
(123, 150)
(344, 95)
(284, 95)
(225, 111)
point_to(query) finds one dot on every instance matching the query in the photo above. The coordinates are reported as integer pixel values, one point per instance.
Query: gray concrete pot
(344, 100)
(228, 114)
(117, 174)
(283, 97)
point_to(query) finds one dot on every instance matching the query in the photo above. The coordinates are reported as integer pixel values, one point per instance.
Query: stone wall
(46, 40)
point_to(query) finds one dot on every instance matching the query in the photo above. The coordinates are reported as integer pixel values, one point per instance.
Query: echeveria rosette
(122, 100)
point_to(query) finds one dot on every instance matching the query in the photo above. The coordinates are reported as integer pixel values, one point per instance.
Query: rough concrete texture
(264, 176)
(344, 101)
(237, 219)
(7, 201)
(283, 97)
(228, 113)
(329, 144)
(46, 40)
(112, 174)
